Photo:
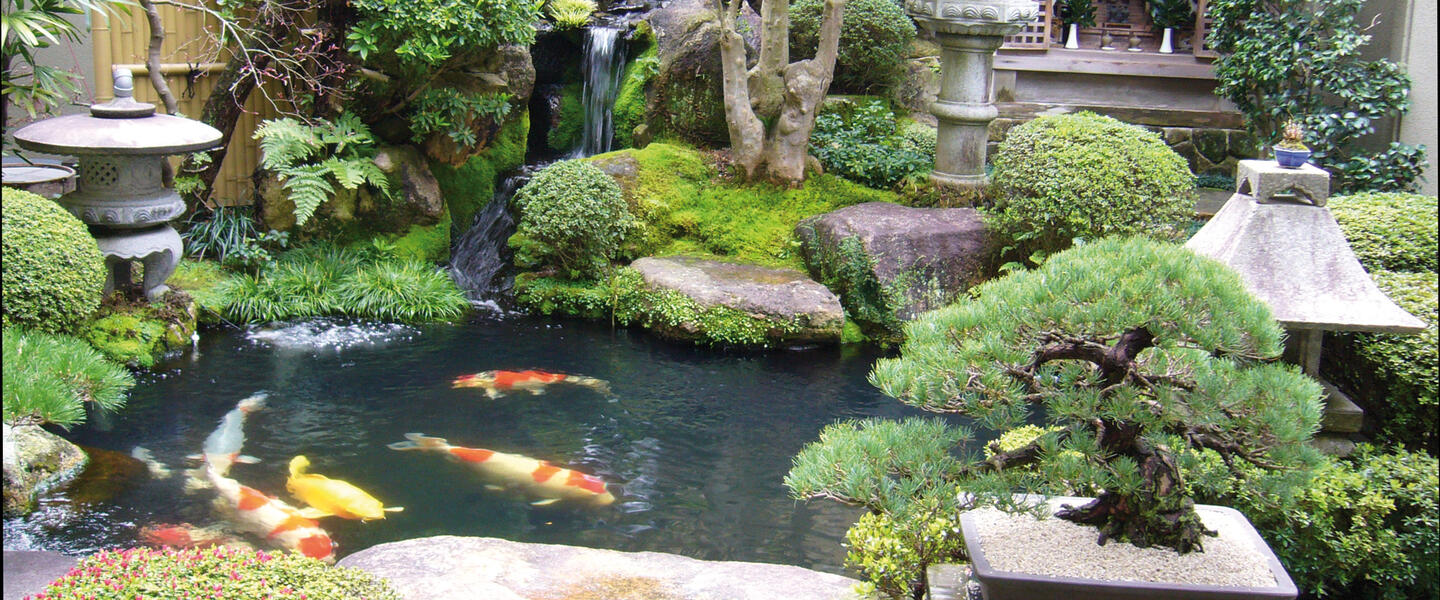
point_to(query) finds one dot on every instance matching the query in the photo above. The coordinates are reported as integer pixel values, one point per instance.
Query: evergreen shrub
(53, 271)
(1390, 231)
(572, 219)
(875, 37)
(1062, 177)
(221, 572)
(49, 378)
(868, 147)
(1364, 527)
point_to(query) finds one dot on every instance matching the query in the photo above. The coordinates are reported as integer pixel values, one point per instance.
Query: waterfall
(481, 257)
(604, 65)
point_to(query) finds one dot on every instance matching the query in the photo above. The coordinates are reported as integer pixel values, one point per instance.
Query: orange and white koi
(269, 517)
(498, 383)
(537, 477)
(332, 497)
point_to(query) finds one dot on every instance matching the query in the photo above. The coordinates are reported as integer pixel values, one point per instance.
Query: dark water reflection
(698, 441)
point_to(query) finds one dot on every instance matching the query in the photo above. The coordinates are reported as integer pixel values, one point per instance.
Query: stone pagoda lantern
(1276, 232)
(122, 145)
(969, 32)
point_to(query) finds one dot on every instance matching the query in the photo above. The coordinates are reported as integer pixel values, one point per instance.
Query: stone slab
(1265, 179)
(1341, 415)
(1294, 257)
(780, 295)
(1335, 444)
(30, 571)
(478, 568)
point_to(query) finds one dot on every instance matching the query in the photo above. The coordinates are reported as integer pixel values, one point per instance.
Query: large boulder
(29, 572)
(35, 461)
(797, 309)
(508, 70)
(468, 568)
(890, 262)
(686, 99)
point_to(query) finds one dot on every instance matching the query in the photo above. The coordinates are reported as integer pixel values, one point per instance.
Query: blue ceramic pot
(1291, 159)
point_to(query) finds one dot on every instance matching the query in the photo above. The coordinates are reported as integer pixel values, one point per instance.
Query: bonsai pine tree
(1130, 350)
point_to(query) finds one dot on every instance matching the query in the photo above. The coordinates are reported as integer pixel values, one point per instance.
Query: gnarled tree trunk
(775, 90)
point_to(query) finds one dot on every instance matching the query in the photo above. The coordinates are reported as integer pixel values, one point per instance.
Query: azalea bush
(216, 573)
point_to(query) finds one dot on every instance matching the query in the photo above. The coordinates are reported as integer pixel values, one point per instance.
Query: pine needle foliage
(1129, 348)
(311, 159)
(49, 378)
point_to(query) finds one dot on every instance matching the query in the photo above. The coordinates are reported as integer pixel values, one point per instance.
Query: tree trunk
(157, 79)
(1159, 513)
(222, 111)
(793, 94)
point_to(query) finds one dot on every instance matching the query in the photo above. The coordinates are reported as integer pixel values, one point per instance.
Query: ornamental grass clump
(221, 572)
(53, 270)
(1131, 350)
(49, 378)
(571, 14)
(1085, 176)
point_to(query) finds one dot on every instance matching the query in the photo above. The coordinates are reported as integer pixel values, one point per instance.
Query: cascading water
(604, 65)
(481, 257)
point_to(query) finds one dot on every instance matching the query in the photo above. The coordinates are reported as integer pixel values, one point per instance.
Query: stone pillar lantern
(969, 32)
(121, 145)
(1278, 235)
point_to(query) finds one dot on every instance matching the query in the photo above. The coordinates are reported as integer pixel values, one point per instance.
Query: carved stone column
(969, 32)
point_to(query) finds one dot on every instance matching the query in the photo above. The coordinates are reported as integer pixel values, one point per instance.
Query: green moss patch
(427, 243)
(685, 207)
(629, 110)
(570, 125)
(469, 187)
(205, 282)
(140, 333)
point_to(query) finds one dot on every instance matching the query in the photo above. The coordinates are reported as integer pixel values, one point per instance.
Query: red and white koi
(537, 477)
(271, 518)
(499, 383)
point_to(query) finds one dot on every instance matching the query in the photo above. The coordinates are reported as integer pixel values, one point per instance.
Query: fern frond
(285, 142)
(347, 129)
(373, 175)
(308, 189)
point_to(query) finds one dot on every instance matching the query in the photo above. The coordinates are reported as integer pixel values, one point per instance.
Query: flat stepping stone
(31, 571)
(802, 310)
(475, 568)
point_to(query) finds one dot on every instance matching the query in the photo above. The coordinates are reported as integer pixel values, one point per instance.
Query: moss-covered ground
(469, 187)
(138, 333)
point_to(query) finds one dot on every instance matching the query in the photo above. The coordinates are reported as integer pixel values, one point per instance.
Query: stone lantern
(121, 146)
(969, 32)
(1278, 235)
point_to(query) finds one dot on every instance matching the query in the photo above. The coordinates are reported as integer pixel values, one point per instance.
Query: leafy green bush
(450, 111)
(1304, 59)
(307, 158)
(874, 39)
(571, 14)
(1388, 231)
(49, 378)
(867, 147)
(572, 218)
(220, 572)
(1396, 376)
(892, 555)
(918, 137)
(1364, 527)
(1086, 176)
(53, 271)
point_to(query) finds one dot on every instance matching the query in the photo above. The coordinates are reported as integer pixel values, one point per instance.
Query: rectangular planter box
(1010, 585)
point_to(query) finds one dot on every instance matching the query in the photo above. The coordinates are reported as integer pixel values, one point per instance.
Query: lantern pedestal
(158, 248)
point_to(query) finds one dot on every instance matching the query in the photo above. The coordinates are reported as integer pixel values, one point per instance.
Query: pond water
(695, 442)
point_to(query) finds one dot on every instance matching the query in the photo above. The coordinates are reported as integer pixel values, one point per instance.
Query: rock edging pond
(463, 568)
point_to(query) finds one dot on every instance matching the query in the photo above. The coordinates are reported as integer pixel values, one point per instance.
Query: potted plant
(1076, 13)
(1135, 352)
(1292, 152)
(1170, 15)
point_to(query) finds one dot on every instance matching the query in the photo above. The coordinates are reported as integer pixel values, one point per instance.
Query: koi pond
(693, 443)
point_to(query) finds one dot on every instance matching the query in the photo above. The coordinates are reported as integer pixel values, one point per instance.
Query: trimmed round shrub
(1086, 176)
(874, 38)
(53, 271)
(222, 572)
(572, 219)
(1390, 231)
(1396, 376)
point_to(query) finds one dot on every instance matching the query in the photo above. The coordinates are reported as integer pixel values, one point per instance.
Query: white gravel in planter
(1060, 548)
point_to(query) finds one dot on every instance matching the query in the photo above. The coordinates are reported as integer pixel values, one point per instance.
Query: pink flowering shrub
(219, 573)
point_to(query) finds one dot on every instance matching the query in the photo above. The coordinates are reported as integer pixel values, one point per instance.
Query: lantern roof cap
(121, 126)
(1294, 257)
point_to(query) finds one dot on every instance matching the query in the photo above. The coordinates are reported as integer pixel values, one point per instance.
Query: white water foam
(330, 334)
